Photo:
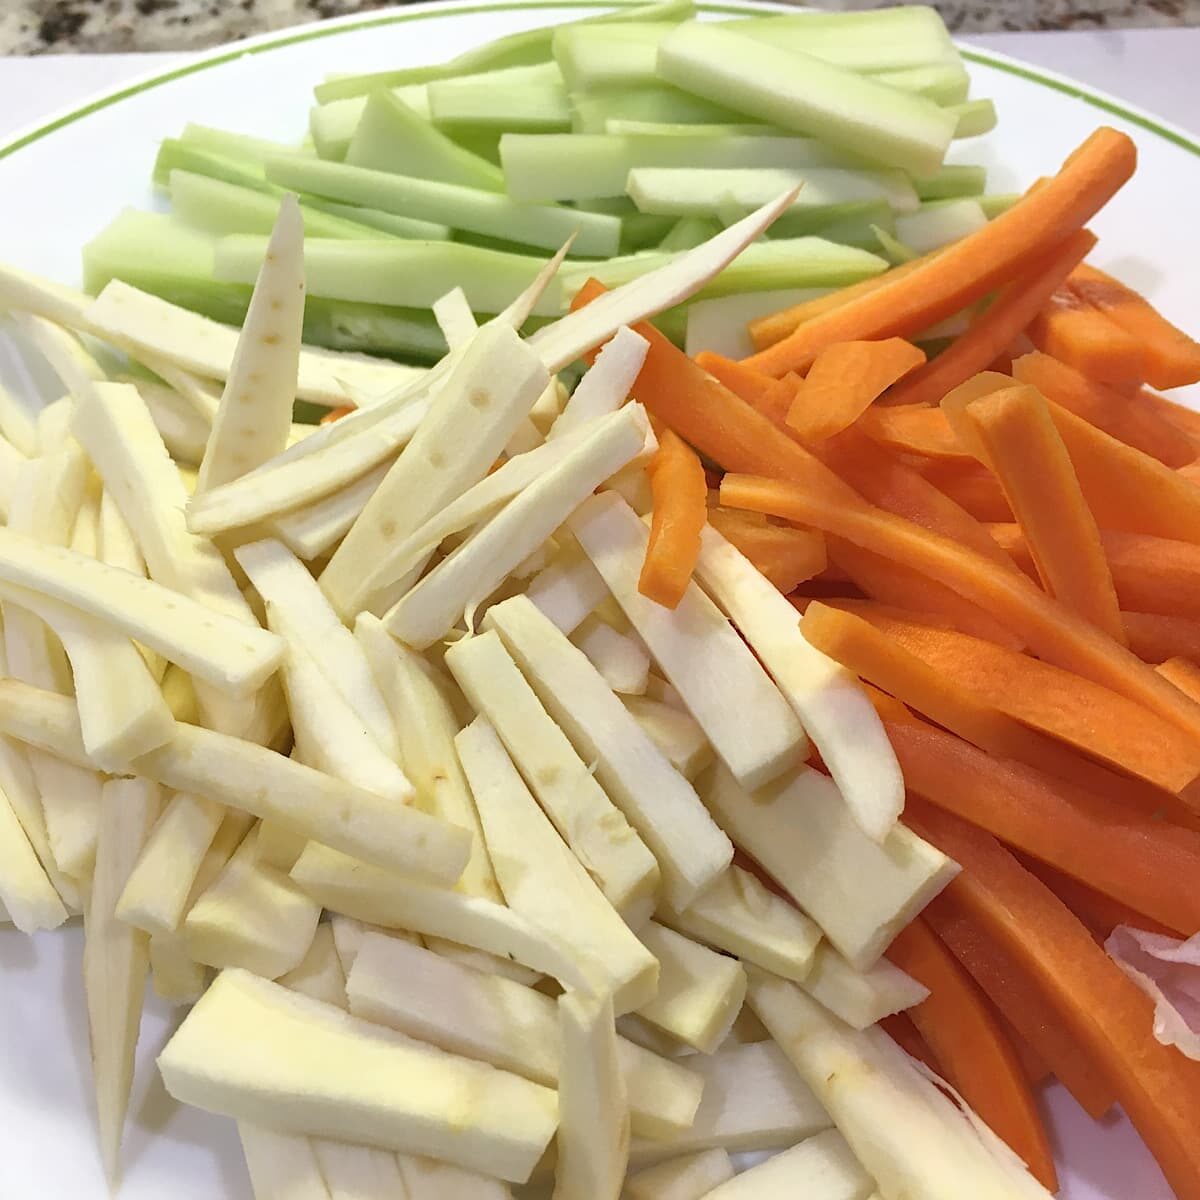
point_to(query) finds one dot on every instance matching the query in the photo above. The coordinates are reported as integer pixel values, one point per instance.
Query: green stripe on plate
(1104, 103)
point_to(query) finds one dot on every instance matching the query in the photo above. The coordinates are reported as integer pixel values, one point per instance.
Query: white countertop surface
(1152, 68)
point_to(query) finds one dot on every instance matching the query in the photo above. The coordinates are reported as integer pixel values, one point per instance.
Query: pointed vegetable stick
(255, 415)
(116, 958)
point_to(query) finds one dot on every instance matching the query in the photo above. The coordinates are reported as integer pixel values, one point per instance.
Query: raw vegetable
(823, 1167)
(280, 1073)
(800, 93)
(678, 484)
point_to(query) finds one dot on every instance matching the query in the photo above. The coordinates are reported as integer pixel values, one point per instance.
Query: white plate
(65, 179)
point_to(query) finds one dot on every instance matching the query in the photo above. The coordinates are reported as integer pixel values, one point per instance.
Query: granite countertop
(111, 26)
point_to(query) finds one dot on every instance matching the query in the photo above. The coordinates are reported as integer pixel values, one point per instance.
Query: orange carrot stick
(1142, 862)
(1129, 419)
(1108, 1017)
(786, 556)
(1074, 332)
(1154, 638)
(1184, 674)
(976, 1056)
(888, 707)
(1100, 914)
(885, 481)
(849, 632)
(894, 584)
(1150, 574)
(776, 402)
(1023, 449)
(1090, 718)
(913, 429)
(996, 326)
(741, 380)
(680, 494)
(1125, 488)
(1051, 631)
(971, 268)
(766, 331)
(844, 381)
(1172, 359)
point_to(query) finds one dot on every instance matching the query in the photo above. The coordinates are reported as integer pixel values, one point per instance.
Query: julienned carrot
(741, 380)
(786, 556)
(1125, 488)
(720, 425)
(1142, 862)
(680, 492)
(849, 632)
(336, 414)
(996, 326)
(1035, 1069)
(1150, 574)
(884, 480)
(1051, 631)
(972, 487)
(1109, 1018)
(913, 429)
(1183, 673)
(1074, 332)
(1172, 359)
(1154, 638)
(1023, 1006)
(766, 331)
(894, 584)
(1001, 250)
(1100, 914)
(844, 381)
(957, 1023)
(1093, 719)
(1190, 471)
(1130, 419)
(899, 1027)
(1024, 451)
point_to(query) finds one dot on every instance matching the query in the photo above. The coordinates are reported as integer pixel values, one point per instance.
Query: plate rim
(432, 9)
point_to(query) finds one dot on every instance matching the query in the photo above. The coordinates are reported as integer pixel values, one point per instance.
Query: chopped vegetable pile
(790, 742)
(633, 132)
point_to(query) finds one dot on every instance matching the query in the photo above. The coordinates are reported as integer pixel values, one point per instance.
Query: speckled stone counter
(109, 26)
